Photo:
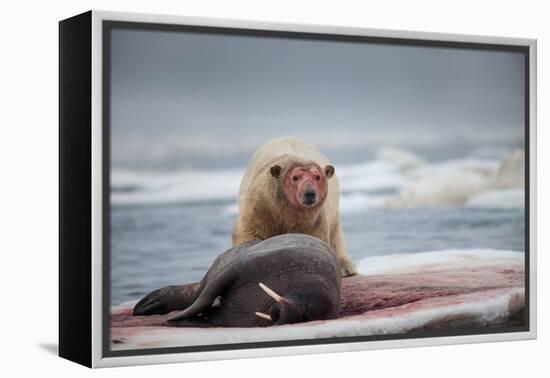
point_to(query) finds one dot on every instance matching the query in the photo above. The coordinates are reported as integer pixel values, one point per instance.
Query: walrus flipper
(211, 287)
(220, 276)
(167, 299)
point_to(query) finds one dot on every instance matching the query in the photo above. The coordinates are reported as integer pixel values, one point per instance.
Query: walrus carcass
(288, 278)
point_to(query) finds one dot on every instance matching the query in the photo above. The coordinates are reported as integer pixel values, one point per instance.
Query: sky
(181, 99)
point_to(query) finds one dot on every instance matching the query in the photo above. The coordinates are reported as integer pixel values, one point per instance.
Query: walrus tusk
(271, 293)
(263, 316)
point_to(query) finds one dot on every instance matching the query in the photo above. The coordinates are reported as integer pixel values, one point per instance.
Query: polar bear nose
(309, 196)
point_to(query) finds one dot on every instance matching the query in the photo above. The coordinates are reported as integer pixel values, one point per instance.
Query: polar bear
(291, 187)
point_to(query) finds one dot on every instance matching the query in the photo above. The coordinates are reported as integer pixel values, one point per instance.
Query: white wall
(28, 200)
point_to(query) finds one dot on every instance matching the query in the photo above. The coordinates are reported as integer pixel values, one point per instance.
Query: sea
(168, 224)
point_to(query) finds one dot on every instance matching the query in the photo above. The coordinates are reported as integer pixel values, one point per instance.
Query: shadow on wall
(51, 348)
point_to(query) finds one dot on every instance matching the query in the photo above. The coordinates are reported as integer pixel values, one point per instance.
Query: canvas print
(271, 188)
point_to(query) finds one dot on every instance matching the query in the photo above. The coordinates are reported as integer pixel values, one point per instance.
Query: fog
(183, 99)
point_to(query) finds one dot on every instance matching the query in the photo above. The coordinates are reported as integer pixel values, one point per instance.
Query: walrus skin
(301, 272)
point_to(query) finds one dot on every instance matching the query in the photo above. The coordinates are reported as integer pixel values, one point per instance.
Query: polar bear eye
(295, 178)
(317, 177)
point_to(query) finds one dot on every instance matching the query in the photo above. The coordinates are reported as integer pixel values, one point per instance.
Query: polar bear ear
(329, 171)
(275, 170)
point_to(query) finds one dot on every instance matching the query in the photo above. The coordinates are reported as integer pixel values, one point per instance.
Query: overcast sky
(178, 94)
